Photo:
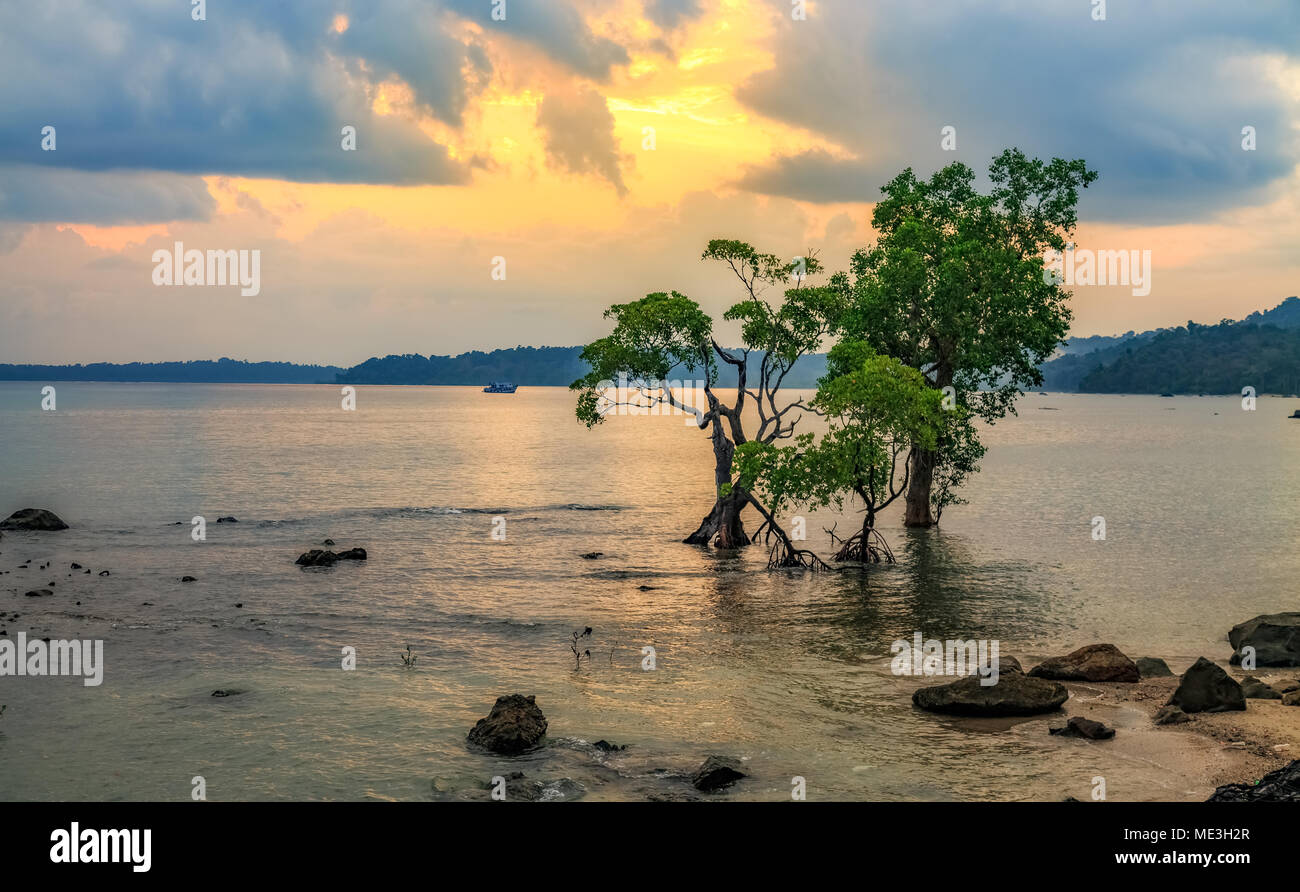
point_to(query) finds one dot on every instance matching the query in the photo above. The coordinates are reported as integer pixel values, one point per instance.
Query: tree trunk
(722, 527)
(920, 479)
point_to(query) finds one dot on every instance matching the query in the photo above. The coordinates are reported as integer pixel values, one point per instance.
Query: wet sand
(1211, 750)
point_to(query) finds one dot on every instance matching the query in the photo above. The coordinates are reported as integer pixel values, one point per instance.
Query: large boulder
(1014, 694)
(514, 725)
(1282, 785)
(1095, 662)
(1207, 688)
(1275, 637)
(33, 519)
(1153, 667)
(717, 772)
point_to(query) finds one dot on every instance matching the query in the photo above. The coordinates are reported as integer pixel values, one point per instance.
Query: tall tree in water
(956, 287)
(662, 332)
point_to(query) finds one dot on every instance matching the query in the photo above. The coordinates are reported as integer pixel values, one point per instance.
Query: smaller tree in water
(876, 408)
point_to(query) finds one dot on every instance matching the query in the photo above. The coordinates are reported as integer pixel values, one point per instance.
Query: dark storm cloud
(1154, 98)
(258, 89)
(553, 26)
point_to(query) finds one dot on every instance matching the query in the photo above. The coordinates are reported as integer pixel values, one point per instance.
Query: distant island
(1261, 351)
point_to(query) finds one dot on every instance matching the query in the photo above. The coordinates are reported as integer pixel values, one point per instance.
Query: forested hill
(203, 371)
(1221, 358)
(534, 367)
(1078, 363)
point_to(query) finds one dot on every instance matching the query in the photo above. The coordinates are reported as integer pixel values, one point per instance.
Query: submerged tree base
(865, 547)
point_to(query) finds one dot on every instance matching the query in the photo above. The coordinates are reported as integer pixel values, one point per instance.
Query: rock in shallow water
(33, 519)
(320, 558)
(1078, 726)
(1014, 694)
(1274, 636)
(1153, 667)
(717, 772)
(1207, 688)
(1282, 785)
(514, 725)
(1095, 662)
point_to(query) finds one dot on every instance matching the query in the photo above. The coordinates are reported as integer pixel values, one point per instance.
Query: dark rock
(1275, 637)
(1153, 667)
(717, 772)
(592, 555)
(1078, 726)
(1014, 694)
(1207, 688)
(240, 604)
(1095, 662)
(321, 558)
(76, 566)
(104, 573)
(328, 542)
(1171, 715)
(606, 747)
(1282, 785)
(522, 789)
(1254, 689)
(229, 692)
(227, 520)
(188, 579)
(1005, 664)
(514, 725)
(40, 593)
(33, 519)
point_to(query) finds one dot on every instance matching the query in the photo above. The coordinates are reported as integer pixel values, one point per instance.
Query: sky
(521, 165)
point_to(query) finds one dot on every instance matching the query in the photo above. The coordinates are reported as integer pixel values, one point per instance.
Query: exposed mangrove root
(863, 547)
(784, 553)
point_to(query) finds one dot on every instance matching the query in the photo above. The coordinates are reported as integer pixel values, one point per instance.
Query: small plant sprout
(579, 653)
(408, 658)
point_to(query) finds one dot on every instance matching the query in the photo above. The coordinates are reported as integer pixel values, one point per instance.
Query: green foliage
(955, 285)
(651, 336)
(876, 407)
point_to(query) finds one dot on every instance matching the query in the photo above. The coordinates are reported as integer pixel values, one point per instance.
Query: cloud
(1154, 97)
(260, 89)
(669, 14)
(553, 26)
(36, 194)
(578, 132)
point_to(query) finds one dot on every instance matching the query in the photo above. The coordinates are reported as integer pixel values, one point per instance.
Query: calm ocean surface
(788, 670)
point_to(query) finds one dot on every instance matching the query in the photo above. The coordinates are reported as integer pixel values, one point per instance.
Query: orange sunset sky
(526, 138)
